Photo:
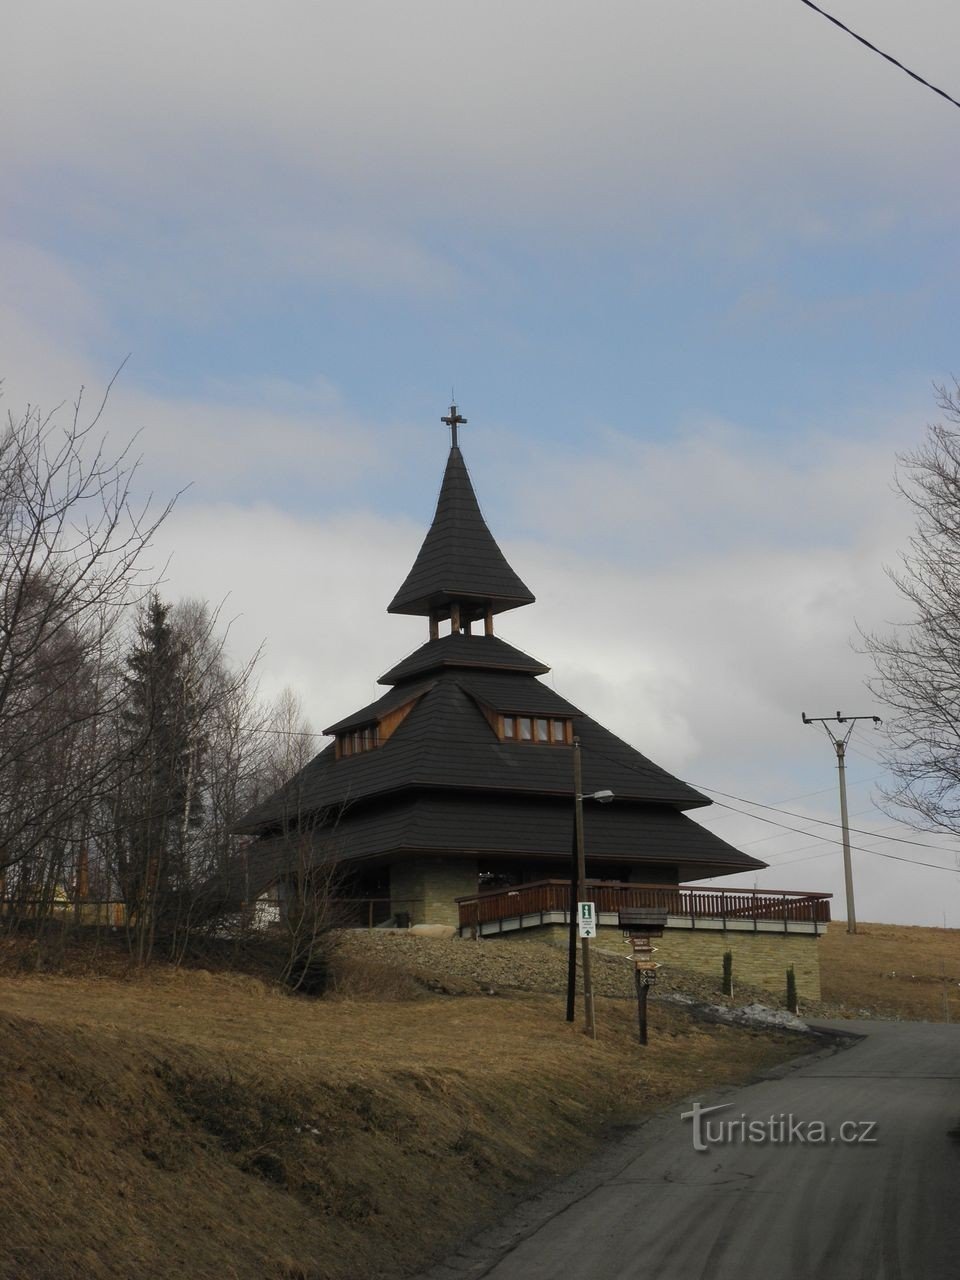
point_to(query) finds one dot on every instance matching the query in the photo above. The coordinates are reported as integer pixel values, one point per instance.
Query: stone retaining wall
(759, 959)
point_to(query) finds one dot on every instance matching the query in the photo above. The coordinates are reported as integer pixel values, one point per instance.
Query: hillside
(892, 970)
(191, 1124)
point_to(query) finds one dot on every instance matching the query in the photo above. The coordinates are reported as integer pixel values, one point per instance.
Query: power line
(798, 848)
(859, 782)
(913, 862)
(859, 751)
(823, 822)
(776, 853)
(293, 733)
(811, 858)
(775, 866)
(889, 57)
(936, 866)
(803, 817)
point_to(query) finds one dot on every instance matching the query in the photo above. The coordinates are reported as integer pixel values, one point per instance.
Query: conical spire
(460, 572)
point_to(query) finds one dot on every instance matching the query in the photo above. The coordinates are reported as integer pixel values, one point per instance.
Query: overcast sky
(691, 269)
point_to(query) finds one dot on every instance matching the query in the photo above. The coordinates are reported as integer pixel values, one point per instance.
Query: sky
(690, 271)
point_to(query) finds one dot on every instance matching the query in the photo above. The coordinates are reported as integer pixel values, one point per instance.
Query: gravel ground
(460, 966)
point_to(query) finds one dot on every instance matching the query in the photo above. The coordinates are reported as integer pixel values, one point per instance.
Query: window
(377, 731)
(354, 742)
(534, 729)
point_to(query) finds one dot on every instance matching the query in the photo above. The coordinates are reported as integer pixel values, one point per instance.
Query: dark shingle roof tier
(389, 702)
(486, 653)
(459, 560)
(505, 693)
(447, 742)
(530, 827)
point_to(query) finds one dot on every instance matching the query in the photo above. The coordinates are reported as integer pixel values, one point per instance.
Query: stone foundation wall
(427, 888)
(759, 959)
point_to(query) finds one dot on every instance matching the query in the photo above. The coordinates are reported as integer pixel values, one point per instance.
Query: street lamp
(578, 879)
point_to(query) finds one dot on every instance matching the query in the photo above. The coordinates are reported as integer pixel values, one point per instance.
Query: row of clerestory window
(536, 729)
(542, 730)
(355, 741)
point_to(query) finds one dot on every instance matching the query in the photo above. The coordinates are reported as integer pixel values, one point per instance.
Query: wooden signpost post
(645, 973)
(641, 926)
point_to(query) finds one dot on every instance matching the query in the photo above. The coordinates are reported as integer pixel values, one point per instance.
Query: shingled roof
(459, 560)
(520, 826)
(484, 653)
(446, 742)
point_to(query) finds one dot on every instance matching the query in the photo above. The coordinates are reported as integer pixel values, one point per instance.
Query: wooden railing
(675, 900)
(367, 913)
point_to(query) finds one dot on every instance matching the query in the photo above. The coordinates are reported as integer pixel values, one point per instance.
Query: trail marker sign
(587, 919)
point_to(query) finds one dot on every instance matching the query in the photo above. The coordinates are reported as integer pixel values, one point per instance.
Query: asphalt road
(654, 1207)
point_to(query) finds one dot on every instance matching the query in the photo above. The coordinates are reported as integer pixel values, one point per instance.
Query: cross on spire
(453, 420)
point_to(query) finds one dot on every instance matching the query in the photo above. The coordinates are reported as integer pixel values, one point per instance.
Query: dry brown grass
(191, 1124)
(898, 971)
(356, 977)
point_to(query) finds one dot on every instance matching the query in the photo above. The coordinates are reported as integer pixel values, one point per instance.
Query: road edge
(480, 1253)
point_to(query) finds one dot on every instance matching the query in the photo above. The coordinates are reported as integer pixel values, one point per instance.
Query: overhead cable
(889, 56)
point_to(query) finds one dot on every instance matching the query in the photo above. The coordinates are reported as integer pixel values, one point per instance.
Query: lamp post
(578, 880)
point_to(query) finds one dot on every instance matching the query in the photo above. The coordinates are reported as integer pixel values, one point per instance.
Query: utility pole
(578, 880)
(591, 1024)
(572, 934)
(839, 742)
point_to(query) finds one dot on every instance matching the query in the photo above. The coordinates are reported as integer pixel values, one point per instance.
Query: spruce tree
(162, 801)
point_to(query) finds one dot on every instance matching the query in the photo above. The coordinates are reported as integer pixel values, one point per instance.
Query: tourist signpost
(640, 926)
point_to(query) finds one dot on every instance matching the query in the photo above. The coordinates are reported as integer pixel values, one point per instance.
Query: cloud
(703, 660)
(234, 175)
(258, 436)
(369, 257)
(461, 108)
(712, 486)
(311, 590)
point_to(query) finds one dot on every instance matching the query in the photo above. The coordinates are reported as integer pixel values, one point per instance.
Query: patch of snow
(750, 1015)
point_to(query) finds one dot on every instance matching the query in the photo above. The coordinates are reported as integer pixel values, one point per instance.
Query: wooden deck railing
(675, 900)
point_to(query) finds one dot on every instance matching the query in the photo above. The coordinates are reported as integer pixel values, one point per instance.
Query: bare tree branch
(918, 661)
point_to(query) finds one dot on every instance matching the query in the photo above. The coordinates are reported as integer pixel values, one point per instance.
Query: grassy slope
(895, 970)
(202, 1126)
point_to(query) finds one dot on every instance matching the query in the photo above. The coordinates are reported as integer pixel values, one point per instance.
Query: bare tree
(126, 761)
(71, 546)
(309, 920)
(918, 663)
(289, 743)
